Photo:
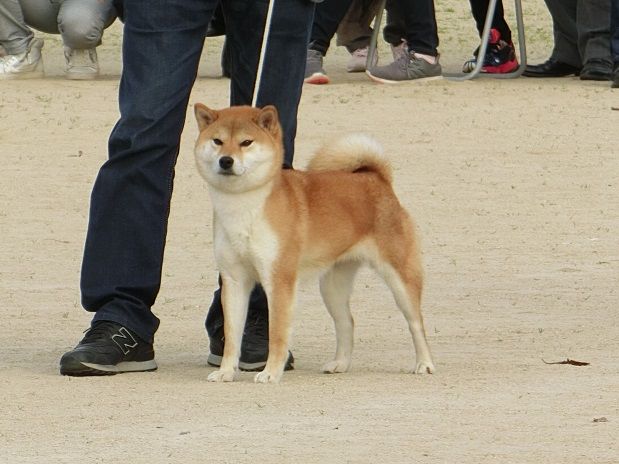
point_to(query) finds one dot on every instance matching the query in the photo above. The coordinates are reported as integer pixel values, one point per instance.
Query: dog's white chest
(243, 238)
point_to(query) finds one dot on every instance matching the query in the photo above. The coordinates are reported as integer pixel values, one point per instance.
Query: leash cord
(265, 39)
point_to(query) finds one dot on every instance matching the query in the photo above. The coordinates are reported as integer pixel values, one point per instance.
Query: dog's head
(239, 148)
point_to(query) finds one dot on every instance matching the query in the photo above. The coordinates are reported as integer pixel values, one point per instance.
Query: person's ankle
(428, 58)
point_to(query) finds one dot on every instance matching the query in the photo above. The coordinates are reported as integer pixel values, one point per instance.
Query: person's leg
(614, 31)
(354, 31)
(479, 9)
(284, 64)
(15, 35)
(565, 58)
(22, 50)
(593, 28)
(395, 27)
(281, 85)
(41, 14)
(121, 268)
(420, 22)
(81, 22)
(420, 60)
(500, 56)
(565, 50)
(327, 19)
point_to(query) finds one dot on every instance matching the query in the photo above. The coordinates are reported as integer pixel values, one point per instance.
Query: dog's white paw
(267, 377)
(221, 376)
(335, 366)
(425, 367)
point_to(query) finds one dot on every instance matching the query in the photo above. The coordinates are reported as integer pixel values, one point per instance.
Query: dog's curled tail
(352, 153)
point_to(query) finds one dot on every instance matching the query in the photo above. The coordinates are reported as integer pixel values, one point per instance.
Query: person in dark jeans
(327, 19)
(123, 254)
(500, 54)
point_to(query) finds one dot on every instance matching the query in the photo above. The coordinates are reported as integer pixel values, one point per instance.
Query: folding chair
(482, 47)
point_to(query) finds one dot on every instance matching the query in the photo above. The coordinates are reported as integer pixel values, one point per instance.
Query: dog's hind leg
(336, 286)
(234, 299)
(404, 278)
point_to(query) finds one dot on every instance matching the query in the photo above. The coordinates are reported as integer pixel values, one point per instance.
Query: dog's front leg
(281, 297)
(234, 298)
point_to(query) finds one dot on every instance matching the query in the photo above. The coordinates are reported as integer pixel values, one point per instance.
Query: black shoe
(551, 68)
(597, 70)
(108, 348)
(254, 349)
(255, 345)
(615, 83)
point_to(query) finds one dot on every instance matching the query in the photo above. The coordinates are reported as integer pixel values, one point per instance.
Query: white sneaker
(358, 60)
(81, 64)
(26, 65)
(399, 51)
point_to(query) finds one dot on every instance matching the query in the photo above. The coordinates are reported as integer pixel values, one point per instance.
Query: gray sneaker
(359, 58)
(26, 65)
(81, 64)
(405, 68)
(314, 74)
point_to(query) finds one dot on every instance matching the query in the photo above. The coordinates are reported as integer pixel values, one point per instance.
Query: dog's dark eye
(217, 142)
(246, 143)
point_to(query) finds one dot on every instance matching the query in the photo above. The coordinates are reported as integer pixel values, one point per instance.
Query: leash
(263, 48)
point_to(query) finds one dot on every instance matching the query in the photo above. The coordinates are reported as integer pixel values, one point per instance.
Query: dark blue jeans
(614, 31)
(163, 39)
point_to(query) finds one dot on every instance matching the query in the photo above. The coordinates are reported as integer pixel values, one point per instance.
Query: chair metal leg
(375, 33)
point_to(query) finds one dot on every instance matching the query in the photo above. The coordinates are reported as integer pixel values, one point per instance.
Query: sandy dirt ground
(514, 186)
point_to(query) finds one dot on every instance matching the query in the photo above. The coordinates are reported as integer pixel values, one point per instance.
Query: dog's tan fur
(271, 225)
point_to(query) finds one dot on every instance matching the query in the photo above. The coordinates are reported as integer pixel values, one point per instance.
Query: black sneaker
(255, 345)
(254, 349)
(108, 348)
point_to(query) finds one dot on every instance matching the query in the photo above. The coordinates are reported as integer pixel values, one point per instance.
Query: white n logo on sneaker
(124, 340)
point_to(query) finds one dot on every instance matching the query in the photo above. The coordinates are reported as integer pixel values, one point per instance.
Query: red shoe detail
(503, 68)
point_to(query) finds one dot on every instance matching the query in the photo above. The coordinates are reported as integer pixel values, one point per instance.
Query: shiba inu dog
(271, 225)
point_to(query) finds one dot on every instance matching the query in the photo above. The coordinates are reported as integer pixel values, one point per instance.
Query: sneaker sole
(380, 80)
(25, 75)
(85, 369)
(317, 79)
(81, 76)
(215, 361)
(356, 69)
(501, 69)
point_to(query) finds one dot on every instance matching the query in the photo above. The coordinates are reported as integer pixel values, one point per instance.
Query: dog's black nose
(226, 162)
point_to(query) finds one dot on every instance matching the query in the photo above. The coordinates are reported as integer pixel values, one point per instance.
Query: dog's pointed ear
(204, 115)
(268, 119)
